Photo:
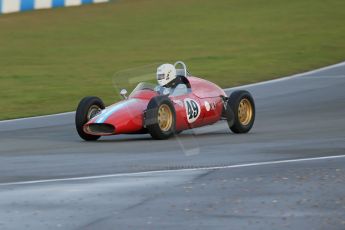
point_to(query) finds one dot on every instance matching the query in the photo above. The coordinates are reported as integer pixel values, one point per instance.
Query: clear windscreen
(135, 79)
(145, 86)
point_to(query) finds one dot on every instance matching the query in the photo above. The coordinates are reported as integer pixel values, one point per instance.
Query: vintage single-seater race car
(164, 112)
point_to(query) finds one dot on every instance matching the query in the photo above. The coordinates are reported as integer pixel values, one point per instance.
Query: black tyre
(160, 118)
(242, 104)
(88, 108)
(228, 114)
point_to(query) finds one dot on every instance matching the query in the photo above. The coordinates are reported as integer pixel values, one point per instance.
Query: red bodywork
(127, 116)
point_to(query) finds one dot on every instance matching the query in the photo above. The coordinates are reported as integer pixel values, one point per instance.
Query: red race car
(166, 111)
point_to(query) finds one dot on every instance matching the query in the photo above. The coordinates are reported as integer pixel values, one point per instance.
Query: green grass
(50, 59)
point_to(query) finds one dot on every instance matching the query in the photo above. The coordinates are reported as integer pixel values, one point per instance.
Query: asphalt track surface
(287, 173)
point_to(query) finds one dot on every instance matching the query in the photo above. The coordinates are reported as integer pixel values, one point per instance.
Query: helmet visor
(160, 76)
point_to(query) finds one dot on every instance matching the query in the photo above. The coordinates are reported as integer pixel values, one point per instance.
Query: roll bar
(183, 71)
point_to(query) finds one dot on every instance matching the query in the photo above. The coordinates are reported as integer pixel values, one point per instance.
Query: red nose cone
(123, 117)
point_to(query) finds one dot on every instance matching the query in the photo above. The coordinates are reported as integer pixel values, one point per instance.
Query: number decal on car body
(192, 109)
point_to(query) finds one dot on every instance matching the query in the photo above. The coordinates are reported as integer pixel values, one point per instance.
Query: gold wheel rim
(245, 111)
(165, 118)
(93, 111)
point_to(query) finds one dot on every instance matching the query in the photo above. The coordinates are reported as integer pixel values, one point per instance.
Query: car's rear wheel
(88, 108)
(242, 104)
(161, 117)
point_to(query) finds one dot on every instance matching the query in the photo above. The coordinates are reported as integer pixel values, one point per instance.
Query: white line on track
(173, 170)
(37, 117)
(290, 77)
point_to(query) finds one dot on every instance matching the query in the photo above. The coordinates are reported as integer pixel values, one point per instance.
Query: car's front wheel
(160, 117)
(88, 108)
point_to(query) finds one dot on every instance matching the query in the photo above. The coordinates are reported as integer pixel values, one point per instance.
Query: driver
(167, 78)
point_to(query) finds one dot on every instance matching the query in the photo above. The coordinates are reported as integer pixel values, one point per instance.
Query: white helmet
(165, 74)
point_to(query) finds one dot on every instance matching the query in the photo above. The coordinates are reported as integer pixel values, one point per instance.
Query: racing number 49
(193, 110)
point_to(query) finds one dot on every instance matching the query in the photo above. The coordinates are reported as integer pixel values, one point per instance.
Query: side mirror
(123, 93)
